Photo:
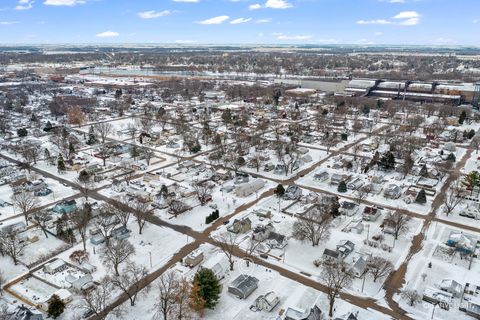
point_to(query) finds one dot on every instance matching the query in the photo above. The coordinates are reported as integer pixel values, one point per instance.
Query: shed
(194, 258)
(243, 286)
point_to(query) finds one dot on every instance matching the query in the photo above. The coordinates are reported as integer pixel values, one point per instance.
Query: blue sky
(404, 22)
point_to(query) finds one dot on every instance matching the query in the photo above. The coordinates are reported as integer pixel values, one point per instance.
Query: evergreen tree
(279, 191)
(22, 132)
(91, 136)
(366, 110)
(55, 306)
(61, 164)
(451, 157)
(423, 171)
(462, 117)
(342, 187)
(421, 197)
(209, 287)
(48, 126)
(470, 134)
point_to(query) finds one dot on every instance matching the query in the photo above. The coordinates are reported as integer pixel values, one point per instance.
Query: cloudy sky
(425, 22)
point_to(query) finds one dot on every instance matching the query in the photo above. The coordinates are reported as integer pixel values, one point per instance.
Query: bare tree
(336, 276)
(398, 221)
(85, 183)
(117, 252)
(313, 226)
(12, 245)
(105, 221)
(96, 299)
(130, 281)
(41, 218)
(202, 191)
(177, 207)
(121, 210)
(141, 211)
(453, 197)
(80, 219)
(379, 267)
(182, 308)
(228, 242)
(167, 290)
(412, 296)
(104, 129)
(26, 202)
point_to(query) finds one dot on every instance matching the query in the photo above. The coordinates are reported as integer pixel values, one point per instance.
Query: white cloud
(404, 18)
(69, 3)
(278, 4)
(379, 33)
(407, 15)
(215, 20)
(240, 20)
(476, 21)
(191, 1)
(397, 1)
(7, 23)
(281, 36)
(107, 34)
(24, 5)
(154, 14)
(271, 4)
(377, 21)
(268, 20)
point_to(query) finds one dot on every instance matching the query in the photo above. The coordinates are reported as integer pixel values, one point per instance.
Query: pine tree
(342, 187)
(462, 117)
(209, 287)
(451, 157)
(279, 191)
(421, 197)
(91, 136)
(55, 306)
(61, 164)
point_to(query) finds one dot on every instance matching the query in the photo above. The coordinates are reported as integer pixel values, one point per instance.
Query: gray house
(243, 286)
(23, 313)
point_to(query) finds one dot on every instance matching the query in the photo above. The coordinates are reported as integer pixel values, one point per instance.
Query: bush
(22, 132)
(342, 187)
(212, 217)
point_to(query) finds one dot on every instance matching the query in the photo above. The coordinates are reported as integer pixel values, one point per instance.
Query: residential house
(452, 286)
(217, 265)
(240, 226)
(55, 266)
(461, 242)
(392, 191)
(120, 233)
(243, 286)
(355, 184)
(276, 240)
(24, 313)
(65, 207)
(331, 255)
(371, 214)
(321, 176)
(345, 248)
(262, 232)
(336, 178)
(359, 266)
(247, 189)
(348, 208)
(437, 297)
(292, 193)
(297, 314)
(194, 258)
(265, 302)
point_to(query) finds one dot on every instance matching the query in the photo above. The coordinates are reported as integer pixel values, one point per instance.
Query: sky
(188, 22)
